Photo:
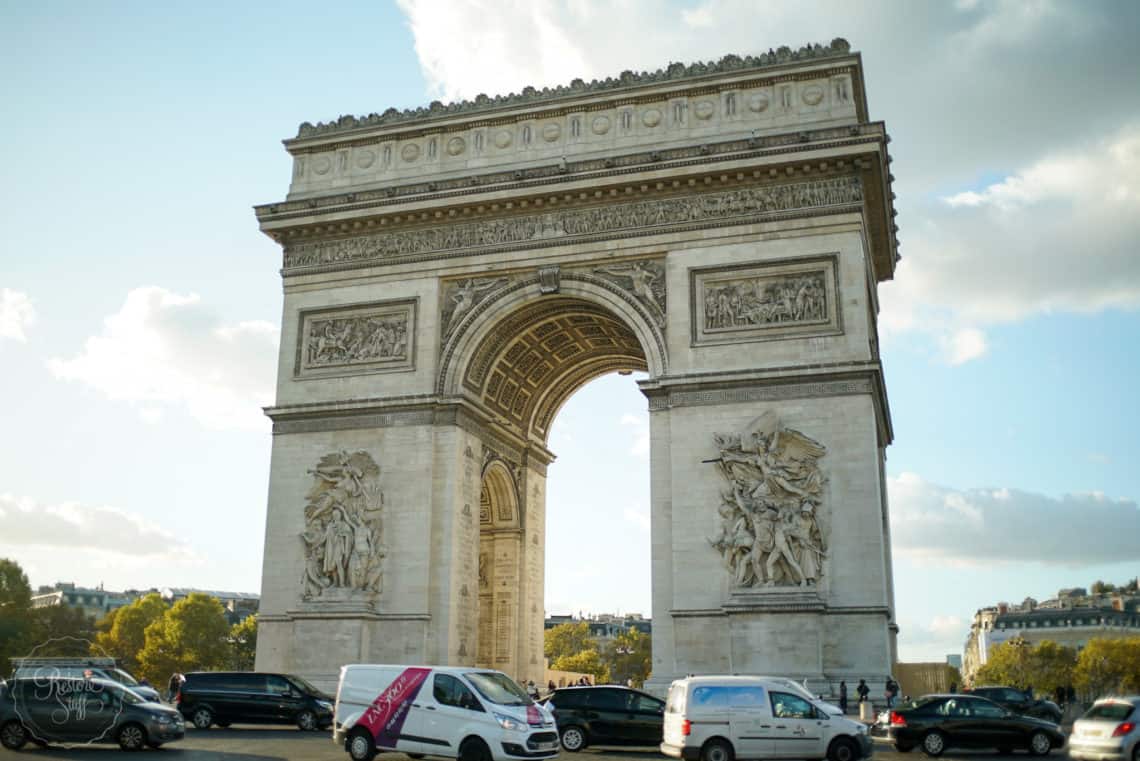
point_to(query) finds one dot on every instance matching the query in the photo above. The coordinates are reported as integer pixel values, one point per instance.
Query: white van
(721, 718)
(466, 713)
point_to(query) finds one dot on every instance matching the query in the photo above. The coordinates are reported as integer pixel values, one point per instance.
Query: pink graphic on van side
(385, 717)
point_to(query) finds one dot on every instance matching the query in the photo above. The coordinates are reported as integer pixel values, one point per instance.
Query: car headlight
(325, 705)
(163, 719)
(511, 724)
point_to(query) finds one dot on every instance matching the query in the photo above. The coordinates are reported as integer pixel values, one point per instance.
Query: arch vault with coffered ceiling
(453, 274)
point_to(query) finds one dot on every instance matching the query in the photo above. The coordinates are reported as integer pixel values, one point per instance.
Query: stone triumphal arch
(452, 274)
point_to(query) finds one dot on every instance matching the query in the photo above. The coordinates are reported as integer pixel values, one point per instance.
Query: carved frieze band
(760, 393)
(773, 300)
(556, 228)
(358, 339)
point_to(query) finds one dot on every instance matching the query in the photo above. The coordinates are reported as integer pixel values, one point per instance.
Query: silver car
(1109, 731)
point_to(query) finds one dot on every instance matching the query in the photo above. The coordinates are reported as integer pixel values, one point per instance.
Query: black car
(47, 710)
(230, 697)
(1020, 701)
(606, 716)
(938, 722)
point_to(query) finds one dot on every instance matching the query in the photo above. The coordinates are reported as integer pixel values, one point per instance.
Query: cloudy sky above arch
(139, 342)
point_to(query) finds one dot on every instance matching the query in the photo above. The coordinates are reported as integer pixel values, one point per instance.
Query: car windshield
(498, 688)
(1113, 711)
(305, 686)
(122, 677)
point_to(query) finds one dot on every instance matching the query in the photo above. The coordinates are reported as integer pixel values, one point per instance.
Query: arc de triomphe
(452, 274)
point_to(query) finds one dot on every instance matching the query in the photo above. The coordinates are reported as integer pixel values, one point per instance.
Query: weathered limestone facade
(453, 274)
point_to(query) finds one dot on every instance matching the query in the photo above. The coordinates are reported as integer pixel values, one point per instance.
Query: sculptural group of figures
(357, 339)
(754, 302)
(770, 533)
(342, 537)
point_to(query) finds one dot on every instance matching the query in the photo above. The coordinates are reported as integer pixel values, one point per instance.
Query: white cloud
(931, 640)
(1057, 236)
(638, 515)
(71, 528)
(964, 345)
(998, 526)
(16, 314)
(162, 349)
(640, 425)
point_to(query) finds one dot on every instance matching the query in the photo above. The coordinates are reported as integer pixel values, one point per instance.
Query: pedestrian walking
(891, 691)
(843, 696)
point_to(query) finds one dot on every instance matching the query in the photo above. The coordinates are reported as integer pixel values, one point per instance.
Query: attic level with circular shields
(452, 275)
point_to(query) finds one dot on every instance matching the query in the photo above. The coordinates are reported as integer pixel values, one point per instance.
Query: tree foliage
(193, 635)
(630, 656)
(243, 643)
(1044, 666)
(122, 634)
(567, 639)
(1109, 665)
(15, 603)
(584, 662)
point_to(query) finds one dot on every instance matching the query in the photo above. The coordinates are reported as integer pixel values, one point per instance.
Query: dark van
(232, 697)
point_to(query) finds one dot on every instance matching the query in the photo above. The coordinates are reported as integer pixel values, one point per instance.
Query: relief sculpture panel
(757, 302)
(365, 338)
(343, 532)
(770, 518)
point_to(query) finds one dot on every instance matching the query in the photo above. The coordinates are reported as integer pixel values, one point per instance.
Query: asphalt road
(263, 744)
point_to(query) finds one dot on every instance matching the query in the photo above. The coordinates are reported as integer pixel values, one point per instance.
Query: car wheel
(573, 738)
(1040, 744)
(361, 746)
(474, 749)
(716, 750)
(901, 748)
(131, 737)
(202, 718)
(934, 743)
(307, 721)
(13, 735)
(842, 749)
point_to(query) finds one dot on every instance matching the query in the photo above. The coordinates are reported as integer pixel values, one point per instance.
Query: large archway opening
(523, 371)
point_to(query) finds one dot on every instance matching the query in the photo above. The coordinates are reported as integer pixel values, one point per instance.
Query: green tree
(15, 604)
(1051, 666)
(1109, 665)
(630, 656)
(122, 634)
(1044, 666)
(567, 639)
(192, 635)
(584, 662)
(1007, 663)
(1101, 587)
(243, 643)
(61, 631)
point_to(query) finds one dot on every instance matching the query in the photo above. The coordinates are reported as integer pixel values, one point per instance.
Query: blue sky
(139, 304)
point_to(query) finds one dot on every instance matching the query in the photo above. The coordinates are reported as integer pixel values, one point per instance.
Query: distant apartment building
(1071, 619)
(604, 627)
(95, 603)
(238, 605)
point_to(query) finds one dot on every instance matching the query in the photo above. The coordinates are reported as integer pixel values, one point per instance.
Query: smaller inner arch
(530, 364)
